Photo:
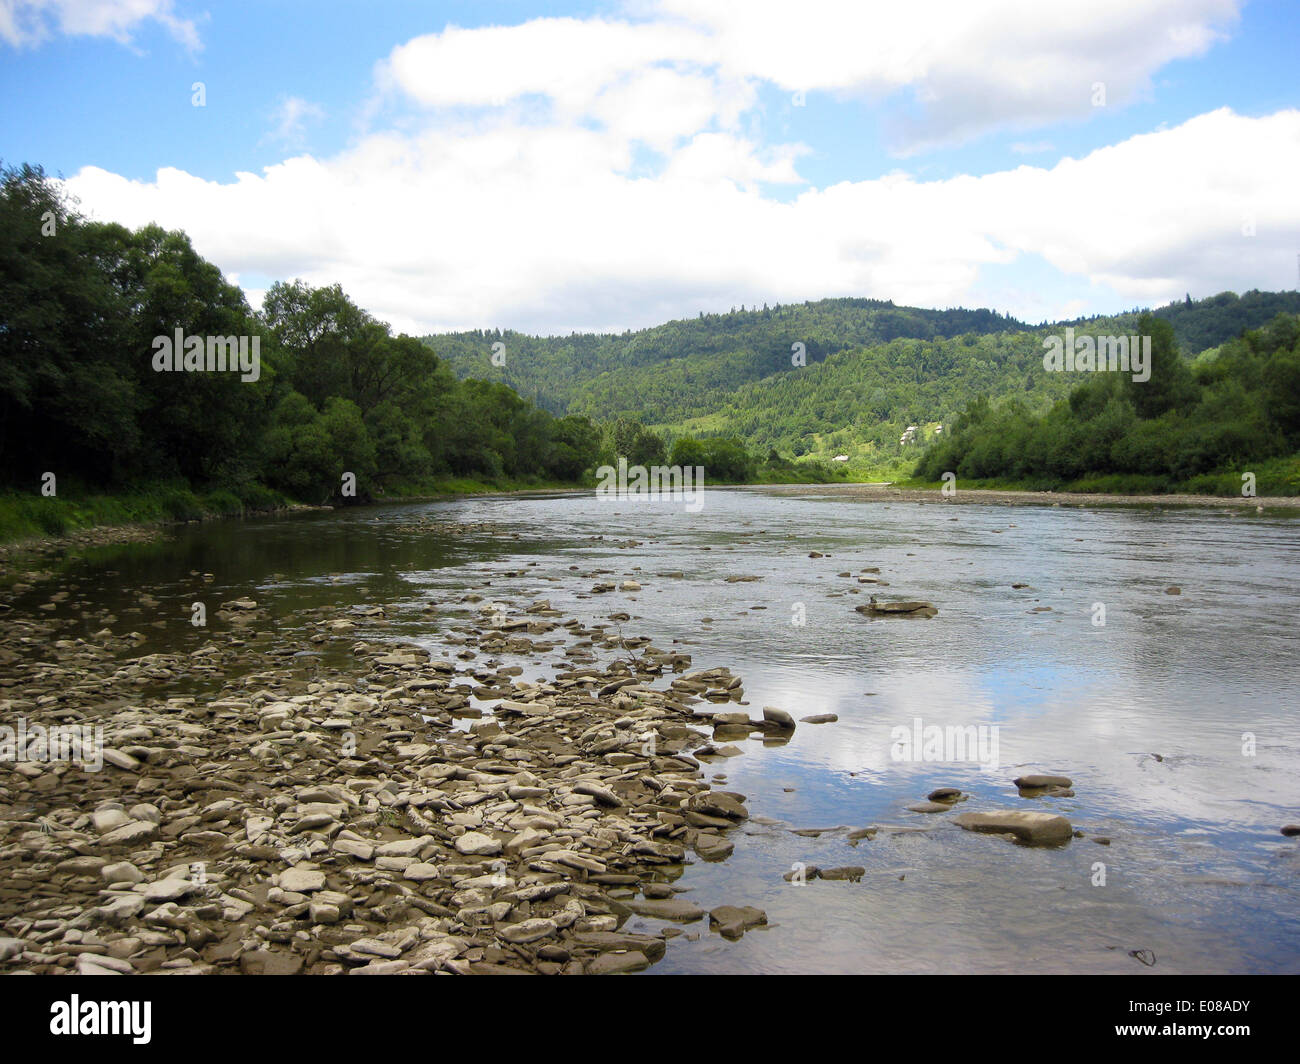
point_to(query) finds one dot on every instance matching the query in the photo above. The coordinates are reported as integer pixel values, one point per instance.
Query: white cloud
(946, 70)
(26, 23)
(545, 227)
(967, 67)
(290, 119)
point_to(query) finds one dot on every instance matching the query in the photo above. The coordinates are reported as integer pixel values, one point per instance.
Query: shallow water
(1197, 872)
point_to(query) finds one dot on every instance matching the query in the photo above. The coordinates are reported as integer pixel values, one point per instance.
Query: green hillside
(870, 369)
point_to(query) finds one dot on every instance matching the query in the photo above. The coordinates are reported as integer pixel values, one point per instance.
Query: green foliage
(724, 461)
(81, 304)
(1190, 427)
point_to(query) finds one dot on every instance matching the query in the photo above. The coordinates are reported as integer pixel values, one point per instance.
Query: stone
(270, 962)
(602, 795)
(820, 718)
(1034, 828)
(914, 608)
(105, 820)
(930, 807)
(120, 760)
(676, 909)
(302, 880)
(131, 832)
(168, 889)
(779, 717)
(528, 931)
(649, 946)
(97, 964)
(732, 921)
(617, 963)
(1027, 783)
(324, 913)
(374, 947)
(476, 844)
(363, 851)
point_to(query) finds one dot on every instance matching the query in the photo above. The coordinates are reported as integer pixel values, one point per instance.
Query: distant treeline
(81, 306)
(1198, 425)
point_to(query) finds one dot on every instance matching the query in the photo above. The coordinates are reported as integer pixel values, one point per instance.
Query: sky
(605, 166)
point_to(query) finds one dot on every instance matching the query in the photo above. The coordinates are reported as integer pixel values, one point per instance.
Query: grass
(31, 516)
(1276, 476)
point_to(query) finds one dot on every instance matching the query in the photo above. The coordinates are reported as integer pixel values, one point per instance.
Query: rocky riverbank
(398, 812)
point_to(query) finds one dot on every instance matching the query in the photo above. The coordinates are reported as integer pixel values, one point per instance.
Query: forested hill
(1203, 323)
(872, 368)
(689, 367)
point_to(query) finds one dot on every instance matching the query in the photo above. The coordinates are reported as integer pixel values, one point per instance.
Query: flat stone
(401, 847)
(820, 718)
(135, 831)
(374, 947)
(120, 760)
(1038, 828)
(476, 844)
(1034, 782)
(613, 941)
(677, 909)
(98, 964)
(617, 963)
(168, 889)
(732, 921)
(853, 873)
(528, 930)
(302, 880)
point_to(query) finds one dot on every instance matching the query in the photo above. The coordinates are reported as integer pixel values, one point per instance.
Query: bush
(179, 504)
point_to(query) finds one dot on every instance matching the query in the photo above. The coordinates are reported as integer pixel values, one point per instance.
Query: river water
(1196, 873)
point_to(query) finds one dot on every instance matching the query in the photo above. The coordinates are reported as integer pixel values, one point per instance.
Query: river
(1176, 718)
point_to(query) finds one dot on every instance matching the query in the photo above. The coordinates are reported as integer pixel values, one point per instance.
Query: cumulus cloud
(547, 228)
(945, 70)
(25, 23)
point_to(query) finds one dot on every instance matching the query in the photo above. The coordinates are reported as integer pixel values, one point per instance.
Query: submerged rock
(909, 608)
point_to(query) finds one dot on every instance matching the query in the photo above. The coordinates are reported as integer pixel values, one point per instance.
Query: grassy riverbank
(1274, 477)
(36, 517)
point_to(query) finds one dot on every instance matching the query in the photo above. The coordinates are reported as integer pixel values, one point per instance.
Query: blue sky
(568, 166)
